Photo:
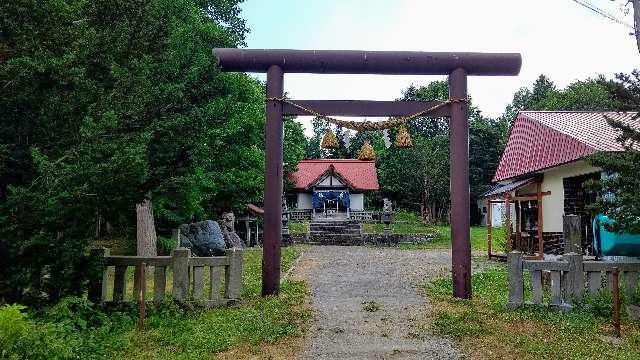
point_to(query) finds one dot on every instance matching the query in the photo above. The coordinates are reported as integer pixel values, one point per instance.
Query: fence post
(516, 285)
(615, 294)
(142, 290)
(572, 234)
(233, 275)
(99, 275)
(180, 265)
(175, 234)
(575, 276)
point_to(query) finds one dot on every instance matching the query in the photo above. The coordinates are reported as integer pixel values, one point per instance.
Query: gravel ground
(343, 278)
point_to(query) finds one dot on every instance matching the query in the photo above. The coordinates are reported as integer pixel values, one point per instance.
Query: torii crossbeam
(456, 65)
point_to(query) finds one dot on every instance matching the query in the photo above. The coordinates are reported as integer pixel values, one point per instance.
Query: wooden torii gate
(456, 65)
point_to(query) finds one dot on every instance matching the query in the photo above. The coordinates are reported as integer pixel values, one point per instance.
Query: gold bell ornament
(329, 140)
(366, 152)
(403, 139)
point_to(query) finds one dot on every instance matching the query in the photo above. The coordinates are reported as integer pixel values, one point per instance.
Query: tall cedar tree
(108, 101)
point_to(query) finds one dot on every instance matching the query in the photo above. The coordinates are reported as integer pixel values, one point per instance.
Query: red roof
(543, 139)
(359, 174)
(256, 209)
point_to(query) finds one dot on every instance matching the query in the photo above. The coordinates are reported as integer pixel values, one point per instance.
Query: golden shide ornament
(403, 139)
(366, 152)
(329, 140)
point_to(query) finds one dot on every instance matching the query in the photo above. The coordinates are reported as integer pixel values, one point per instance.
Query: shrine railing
(297, 215)
(363, 216)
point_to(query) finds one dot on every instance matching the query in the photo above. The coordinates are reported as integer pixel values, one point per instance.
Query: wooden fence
(570, 277)
(188, 276)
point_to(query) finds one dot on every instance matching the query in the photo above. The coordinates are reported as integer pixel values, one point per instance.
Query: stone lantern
(386, 216)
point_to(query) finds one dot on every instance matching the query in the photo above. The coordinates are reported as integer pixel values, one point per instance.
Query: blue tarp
(320, 197)
(613, 244)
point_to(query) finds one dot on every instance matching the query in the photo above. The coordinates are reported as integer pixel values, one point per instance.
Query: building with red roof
(335, 185)
(546, 154)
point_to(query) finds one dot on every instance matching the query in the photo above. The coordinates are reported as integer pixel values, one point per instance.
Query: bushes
(21, 338)
(76, 328)
(166, 245)
(13, 325)
(94, 117)
(73, 328)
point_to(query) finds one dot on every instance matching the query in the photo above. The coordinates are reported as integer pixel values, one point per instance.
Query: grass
(405, 223)
(370, 306)
(410, 223)
(486, 329)
(76, 330)
(258, 320)
(298, 228)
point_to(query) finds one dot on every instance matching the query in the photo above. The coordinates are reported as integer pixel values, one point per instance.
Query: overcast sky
(558, 38)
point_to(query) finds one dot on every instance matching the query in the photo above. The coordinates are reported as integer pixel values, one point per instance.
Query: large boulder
(203, 238)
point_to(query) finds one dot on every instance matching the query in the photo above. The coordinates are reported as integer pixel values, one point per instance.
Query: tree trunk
(636, 20)
(146, 230)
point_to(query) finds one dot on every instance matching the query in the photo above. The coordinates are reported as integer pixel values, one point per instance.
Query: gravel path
(342, 278)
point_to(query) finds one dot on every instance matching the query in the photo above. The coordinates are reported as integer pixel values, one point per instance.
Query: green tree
(525, 99)
(106, 103)
(319, 127)
(587, 95)
(420, 175)
(435, 90)
(295, 149)
(295, 144)
(314, 150)
(341, 152)
(487, 138)
(375, 139)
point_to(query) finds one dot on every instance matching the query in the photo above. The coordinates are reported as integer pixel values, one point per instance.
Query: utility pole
(636, 20)
(636, 16)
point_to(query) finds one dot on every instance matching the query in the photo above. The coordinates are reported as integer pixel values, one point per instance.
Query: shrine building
(334, 186)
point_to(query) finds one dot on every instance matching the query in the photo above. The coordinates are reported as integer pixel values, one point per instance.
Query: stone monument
(386, 217)
(286, 236)
(231, 239)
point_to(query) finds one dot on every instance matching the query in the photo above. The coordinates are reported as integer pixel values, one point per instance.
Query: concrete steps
(335, 232)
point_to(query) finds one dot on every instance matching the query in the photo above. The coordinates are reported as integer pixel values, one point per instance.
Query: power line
(603, 13)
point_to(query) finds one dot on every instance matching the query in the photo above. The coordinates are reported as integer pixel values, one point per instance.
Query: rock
(612, 340)
(287, 240)
(633, 311)
(203, 238)
(231, 239)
